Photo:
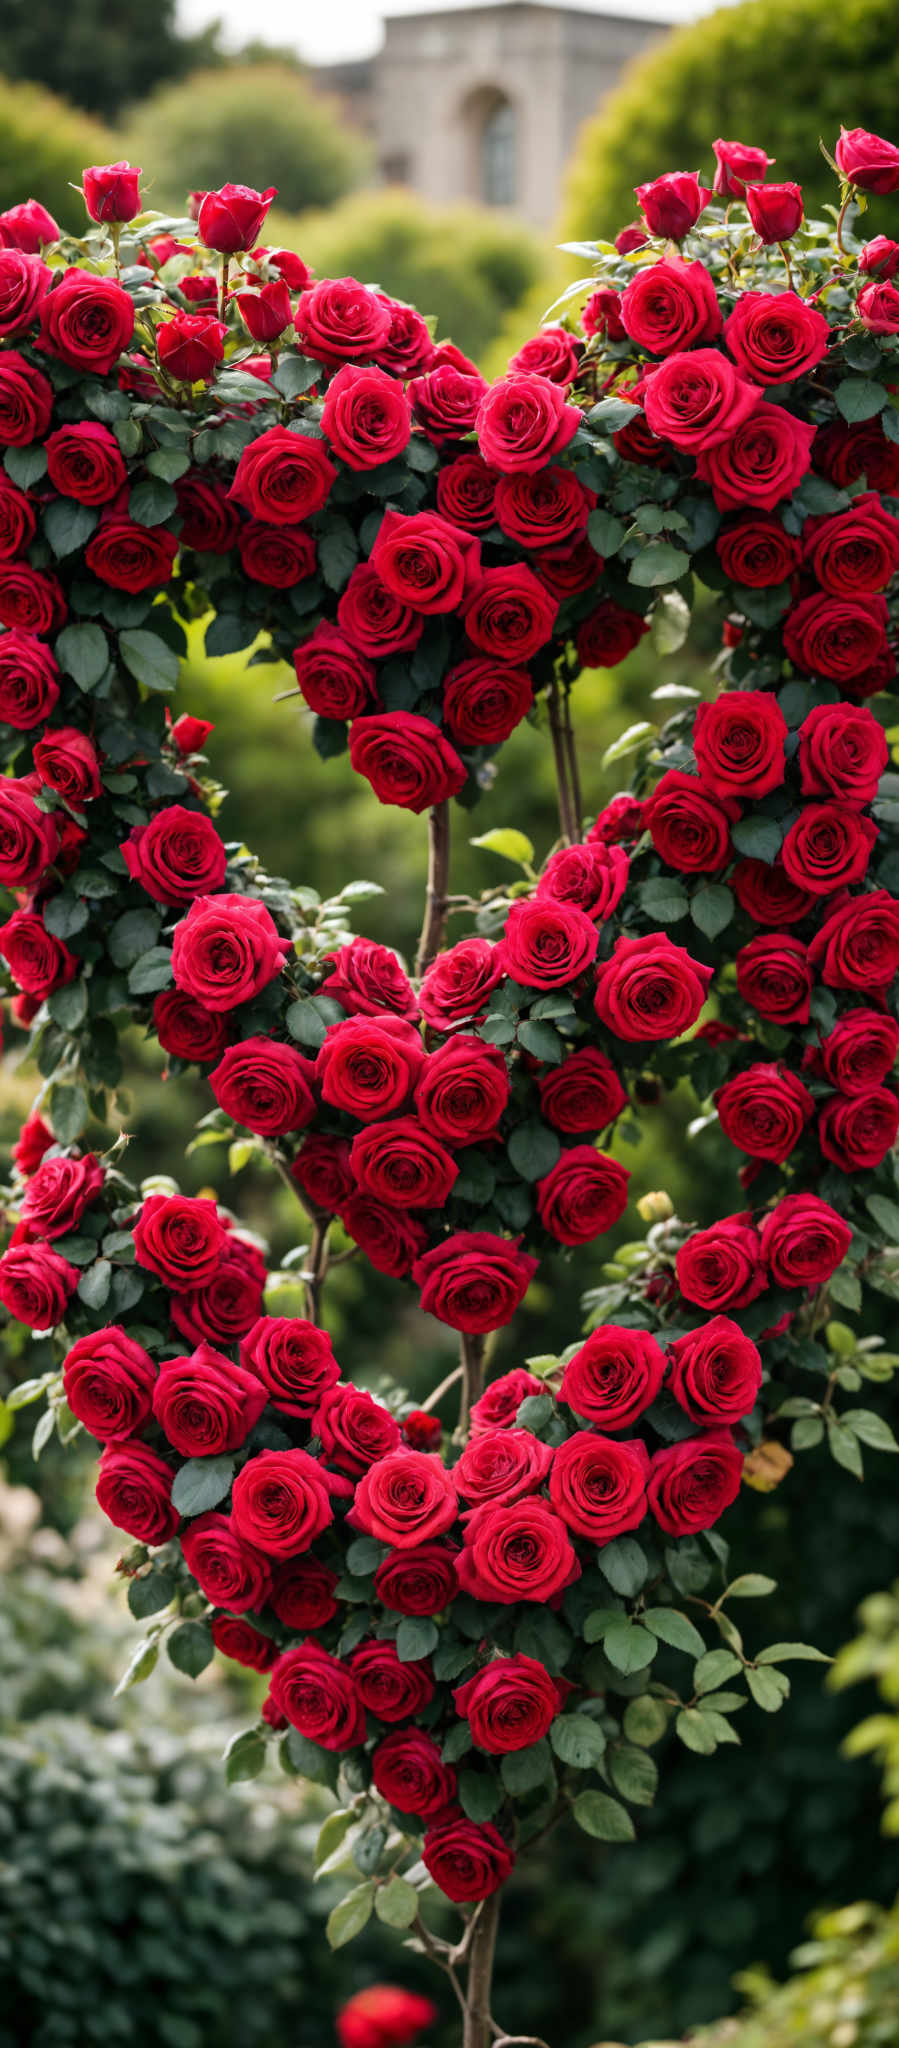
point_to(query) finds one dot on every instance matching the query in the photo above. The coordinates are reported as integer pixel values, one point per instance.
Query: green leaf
(634, 1775)
(416, 1637)
(624, 1564)
(522, 1770)
(168, 463)
(758, 838)
(396, 1903)
(750, 1586)
(364, 1555)
(82, 653)
(670, 622)
(480, 1794)
(25, 465)
(628, 1646)
(696, 1731)
(860, 398)
(844, 1448)
(201, 1484)
(229, 633)
(605, 532)
(142, 1662)
(799, 1652)
(645, 1720)
(664, 900)
(65, 914)
(353, 1913)
(658, 563)
(338, 553)
(533, 1413)
(509, 844)
(542, 1040)
(308, 1019)
(150, 1593)
(604, 1818)
(93, 1286)
(190, 1647)
(886, 1213)
(295, 374)
(152, 502)
(68, 1005)
(67, 525)
(627, 742)
(533, 1149)
(674, 1628)
(244, 1756)
(68, 1112)
(713, 1669)
(132, 934)
(578, 1740)
(712, 908)
(151, 972)
(769, 1688)
(611, 414)
(149, 659)
(870, 1428)
(308, 1760)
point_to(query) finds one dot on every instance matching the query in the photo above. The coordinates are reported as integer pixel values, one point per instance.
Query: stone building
(484, 102)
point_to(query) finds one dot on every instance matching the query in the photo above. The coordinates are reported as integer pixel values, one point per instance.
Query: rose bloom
(670, 305)
(569, 570)
(511, 615)
(231, 218)
(267, 311)
(857, 947)
(739, 744)
(650, 989)
(406, 760)
(457, 986)
(764, 1110)
(761, 462)
(186, 1030)
(242, 1642)
(316, 1693)
(696, 399)
(484, 700)
(390, 1239)
(582, 1196)
(36, 1285)
(765, 892)
(614, 1377)
(835, 637)
(473, 1280)
(583, 1093)
(369, 1065)
(225, 950)
(466, 491)
(877, 258)
(828, 847)
(208, 522)
(722, 1267)
(403, 1164)
(544, 508)
(421, 1431)
(283, 478)
(774, 975)
(671, 205)
(293, 1359)
(736, 165)
(226, 1307)
(355, 1430)
(17, 520)
(408, 1498)
(34, 1139)
(420, 1580)
(689, 829)
(446, 400)
(384, 2016)
(691, 1483)
(229, 1571)
(857, 1132)
(388, 1688)
(190, 346)
(334, 678)
(498, 1406)
(134, 1490)
(339, 318)
(60, 1192)
(281, 1502)
(131, 557)
(302, 1593)
(30, 599)
(776, 336)
(29, 841)
(867, 161)
(425, 562)
(463, 1090)
(205, 1404)
(523, 420)
(66, 761)
(593, 877)
(854, 553)
(111, 191)
(179, 1238)
(501, 1464)
(774, 210)
(546, 943)
(408, 346)
(553, 353)
(367, 417)
(860, 1051)
(108, 1382)
(85, 462)
(86, 320)
(716, 1373)
(265, 1085)
(509, 1704)
(190, 734)
(466, 1861)
(602, 315)
(803, 1241)
(367, 978)
(842, 753)
(635, 441)
(756, 551)
(178, 856)
(518, 1552)
(844, 453)
(26, 401)
(409, 1772)
(608, 635)
(598, 1486)
(322, 1169)
(27, 226)
(373, 619)
(37, 961)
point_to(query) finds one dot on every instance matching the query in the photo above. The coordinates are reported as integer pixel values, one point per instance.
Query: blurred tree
(256, 124)
(44, 147)
(96, 56)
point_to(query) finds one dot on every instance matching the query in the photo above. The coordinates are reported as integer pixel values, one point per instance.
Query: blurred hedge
(766, 73)
(44, 147)
(251, 124)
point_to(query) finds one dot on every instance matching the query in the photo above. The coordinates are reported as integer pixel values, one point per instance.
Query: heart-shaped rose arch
(471, 1629)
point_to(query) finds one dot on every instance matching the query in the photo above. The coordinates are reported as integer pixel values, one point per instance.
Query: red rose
(408, 346)
(226, 1307)
(406, 1499)
(766, 893)
(355, 1430)
(867, 161)
(582, 1196)
(568, 571)
(614, 1377)
(553, 353)
(26, 401)
(336, 681)
(803, 1241)
(392, 1690)
(30, 599)
(36, 1285)
(37, 961)
(498, 1407)
(366, 417)
(543, 509)
(511, 614)
(293, 1359)
(340, 318)
(59, 1192)
(593, 877)
(369, 1065)
(671, 205)
(225, 950)
(691, 1483)
(111, 192)
(858, 946)
(764, 1111)
(383, 2016)
(774, 975)
(716, 1373)
(391, 1240)
(315, 1692)
(373, 619)
(281, 1502)
(190, 346)
(736, 165)
(501, 1464)
(602, 314)
(519, 1552)
(232, 218)
(774, 210)
(466, 491)
(322, 1169)
(546, 943)
(245, 1644)
(34, 1139)
(483, 701)
(28, 226)
(421, 1431)
(265, 1085)
(776, 336)
(758, 553)
(857, 1132)
(457, 986)
(403, 1164)
(87, 320)
(739, 744)
(860, 1051)
(828, 847)
(131, 557)
(598, 1486)
(185, 1029)
(842, 753)
(582, 1094)
(689, 829)
(134, 1490)
(877, 258)
(302, 1593)
(695, 399)
(29, 681)
(650, 989)
(854, 553)
(276, 556)
(177, 857)
(201, 289)
(24, 281)
(408, 1771)
(509, 1704)
(367, 979)
(721, 1267)
(523, 419)
(205, 1404)
(66, 761)
(829, 636)
(180, 1238)
(190, 734)
(208, 523)
(229, 1571)
(609, 635)
(28, 837)
(845, 453)
(466, 1861)
(17, 520)
(425, 562)
(267, 311)
(108, 1381)
(282, 477)
(406, 759)
(446, 400)
(463, 1090)
(761, 462)
(670, 305)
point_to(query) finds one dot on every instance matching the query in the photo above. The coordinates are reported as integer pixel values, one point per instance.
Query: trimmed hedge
(252, 124)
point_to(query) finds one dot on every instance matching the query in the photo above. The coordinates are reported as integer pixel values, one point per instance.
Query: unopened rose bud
(672, 204)
(631, 237)
(231, 218)
(110, 192)
(738, 164)
(774, 210)
(422, 1431)
(878, 308)
(28, 227)
(655, 1208)
(878, 258)
(190, 345)
(266, 312)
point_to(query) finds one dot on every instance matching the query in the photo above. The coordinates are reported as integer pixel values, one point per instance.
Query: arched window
(499, 150)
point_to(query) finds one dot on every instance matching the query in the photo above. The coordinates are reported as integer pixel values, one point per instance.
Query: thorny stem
(436, 903)
(568, 816)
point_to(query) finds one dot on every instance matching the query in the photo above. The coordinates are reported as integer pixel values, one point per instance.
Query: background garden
(134, 1884)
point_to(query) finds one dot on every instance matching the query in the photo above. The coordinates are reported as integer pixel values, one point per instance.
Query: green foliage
(44, 147)
(253, 124)
(847, 1978)
(729, 75)
(98, 57)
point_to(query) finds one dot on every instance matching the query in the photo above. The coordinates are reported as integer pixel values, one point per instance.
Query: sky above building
(352, 28)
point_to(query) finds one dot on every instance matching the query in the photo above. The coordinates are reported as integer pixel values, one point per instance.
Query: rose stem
(473, 1353)
(223, 299)
(567, 817)
(436, 902)
(478, 2026)
(574, 771)
(317, 1264)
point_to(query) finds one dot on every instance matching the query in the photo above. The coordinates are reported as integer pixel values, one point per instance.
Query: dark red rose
(845, 453)
(582, 1195)
(408, 346)
(774, 976)
(854, 553)
(408, 1771)
(180, 1238)
(86, 320)
(26, 401)
(857, 1131)
(66, 761)
(739, 744)
(302, 1593)
(860, 1051)
(205, 1404)
(403, 1164)
(265, 1085)
(225, 950)
(716, 1373)
(369, 1065)
(722, 1267)
(177, 857)
(355, 1430)
(279, 557)
(774, 210)
(671, 205)
(17, 520)
(614, 1377)
(523, 420)
(108, 1381)
(406, 760)
(322, 1169)
(201, 289)
(828, 847)
(36, 1285)
(425, 562)
(457, 986)
(568, 571)
(129, 556)
(421, 1431)
(691, 1483)
(757, 552)
(34, 1139)
(764, 1110)
(602, 315)
(30, 599)
(29, 841)
(501, 1464)
(598, 1486)
(190, 346)
(520, 1552)
(622, 818)
(867, 161)
(766, 893)
(229, 1571)
(695, 399)
(484, 700)
(463, 1090)
(420, 1580)
(282, 477)
(223, 1309)
(390, 1239)
(85, 462)
(650, 988)
(293, 1359)
(670, 305)
(582, 1094)
(59, 1192)
(776, 336)
(406, 1499)
(689, 829)
(392, 1690)
(466, 491)
(373, 619)
(446, 401)
(592, 876)
(267, 311)
(553, 353)
(185, 1029)
(231, 218)
(134, 1490)
(29, 680)
(877, 258)
(635, 441)
(367, 979)
(280, 1502)
(803, 1241)
(498, 1407)
(831, 636)
(738, 164)
(111, 192)
(511, 614)
(208, 522)
(509, 1704)
(316, 1693)
(858, 946)
(545, 509)
(467, 1861)
(246, 1644)
(609, 635)
(761, 462)
(339, 318)
(190, 734)
(546, 943)
(28, 226)
(367, 417)
(335, 679)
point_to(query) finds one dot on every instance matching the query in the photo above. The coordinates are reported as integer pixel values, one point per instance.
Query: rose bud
(110, 192)
(672, 204)
(867, 161)
(190, 734)
(232, 218)
(736, 165)
(28, 227)
(422, 1431)
(631, 237)
(878, 308)
(878, 258)
(774, 210)
(265, 313)
(189, 346)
